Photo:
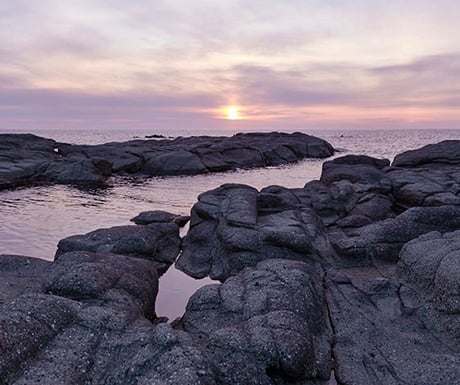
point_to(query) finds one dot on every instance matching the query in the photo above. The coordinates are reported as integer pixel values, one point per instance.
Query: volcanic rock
(156, 216)
(21, 275)
(227, 234)
(265, 325)
(26, 159)
(158, 242)
(355, 274)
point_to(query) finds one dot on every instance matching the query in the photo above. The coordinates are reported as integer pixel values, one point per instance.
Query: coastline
(314, 267)
(28, 159)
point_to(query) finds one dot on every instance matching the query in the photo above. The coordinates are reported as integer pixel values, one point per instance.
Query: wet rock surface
(356, 274)
(27, 159)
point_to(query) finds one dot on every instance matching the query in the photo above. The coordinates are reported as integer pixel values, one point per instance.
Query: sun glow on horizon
(232, 113)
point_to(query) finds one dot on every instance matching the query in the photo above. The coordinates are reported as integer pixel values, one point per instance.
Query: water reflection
(34, 219)
(175, 289)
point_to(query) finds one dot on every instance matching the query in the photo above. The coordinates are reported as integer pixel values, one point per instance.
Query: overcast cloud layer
(177, 64)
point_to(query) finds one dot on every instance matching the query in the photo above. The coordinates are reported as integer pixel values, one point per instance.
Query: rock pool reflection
(175, 289)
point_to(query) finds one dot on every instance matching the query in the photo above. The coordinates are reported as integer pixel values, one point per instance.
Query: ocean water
(33, 220)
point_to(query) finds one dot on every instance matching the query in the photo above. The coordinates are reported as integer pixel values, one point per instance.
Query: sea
(34, 219)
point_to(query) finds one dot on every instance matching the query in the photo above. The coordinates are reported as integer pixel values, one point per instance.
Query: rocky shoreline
(357, 274)
(26, 159)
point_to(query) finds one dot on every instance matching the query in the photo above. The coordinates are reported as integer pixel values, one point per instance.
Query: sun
(232, 113)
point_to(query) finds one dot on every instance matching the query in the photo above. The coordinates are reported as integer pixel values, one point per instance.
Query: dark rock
(385, 333)
(21, 275)
(227, 234)
(431, 264)
(107, 280)
(447, 152)
(266, 325)
(383, 240)
(26, 159)
(362, 170)
(379, 307)
(147, 354)
(101, 335)
(354, 160)
(54, 340)
(436, 185)
(76, 170)
(428, 176)
(158, 242)
(177, 162)
(22, 156)
(158, 216)
(28, 324)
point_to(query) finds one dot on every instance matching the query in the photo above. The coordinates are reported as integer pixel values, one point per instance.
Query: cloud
(57, 108)
(429, 81)
(265, 86)
(153, 60)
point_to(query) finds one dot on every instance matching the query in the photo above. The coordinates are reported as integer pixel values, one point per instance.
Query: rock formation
(356, 275)
(27, 159)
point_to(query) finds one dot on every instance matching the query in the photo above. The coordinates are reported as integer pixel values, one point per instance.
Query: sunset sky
(182, 64)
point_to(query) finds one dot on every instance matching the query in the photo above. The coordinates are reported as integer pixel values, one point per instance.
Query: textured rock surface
(20, 275)
(383, 240)
(428, 176)
(388, 327)
(431, 264)
(228, 233)
(265, 325)
(386, 333)
(158, 242)
(159, 216)
(106, 280)
(26, 159)
(89, 318)
(357, 273)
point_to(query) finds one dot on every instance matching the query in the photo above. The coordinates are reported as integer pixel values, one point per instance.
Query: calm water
(33, 220)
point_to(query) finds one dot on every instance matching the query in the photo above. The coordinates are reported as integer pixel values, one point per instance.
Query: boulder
(116, 281)
(355, 168)
(447, 151)
(158, 242)
(384, 239)
(431, 264)
(428, 176)
(55, 340)
(433, 185)
(177, 162)
(22, 156)
(265, 325)
(78, 170)
(159, 216)
(227, 234)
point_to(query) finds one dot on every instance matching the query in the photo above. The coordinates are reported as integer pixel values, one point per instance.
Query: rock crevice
(357, 274)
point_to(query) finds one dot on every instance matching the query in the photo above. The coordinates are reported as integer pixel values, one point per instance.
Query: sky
(202, 64)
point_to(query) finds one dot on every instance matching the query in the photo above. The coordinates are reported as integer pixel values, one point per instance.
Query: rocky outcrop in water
(355, 275)
(27, 159)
